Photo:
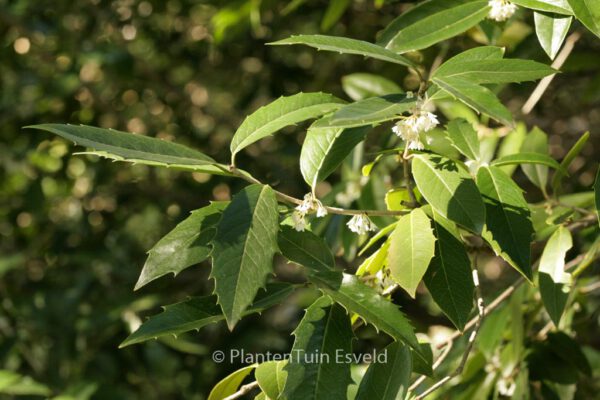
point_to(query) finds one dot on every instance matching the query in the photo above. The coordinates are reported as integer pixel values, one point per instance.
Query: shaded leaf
(388, 380)
(553, 6)
(361, 85)
(597, 193)
(464, 138)
(230, 384)
(536, 142)
(306, 249)
(568, 349)
(334, 12)
(551, 31)
(566, 162)
(588, 12)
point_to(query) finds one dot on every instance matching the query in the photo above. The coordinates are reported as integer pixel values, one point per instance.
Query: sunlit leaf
(536, 142)
(566, 162)
(271, 378)
(362, 85)
(588, 12)
(554, 281)
(551, 31)
(464, 138)
(230, 384)
(553, 6)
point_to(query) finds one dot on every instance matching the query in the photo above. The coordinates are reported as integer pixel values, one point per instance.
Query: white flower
(506, 388)
(321, 210)
(361, 224)
(501, 10)
(310, 204)
(299, 221)
(410, 128)
(351, 193)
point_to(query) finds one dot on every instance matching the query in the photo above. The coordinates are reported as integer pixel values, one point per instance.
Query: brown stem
(242, 391)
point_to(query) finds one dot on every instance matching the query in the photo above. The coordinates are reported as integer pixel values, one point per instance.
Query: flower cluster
(308, 205)
(361, 224)
(410, 128)
(501, 10)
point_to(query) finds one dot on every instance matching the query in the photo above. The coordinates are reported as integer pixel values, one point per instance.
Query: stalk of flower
(501, 10)
(361, 224)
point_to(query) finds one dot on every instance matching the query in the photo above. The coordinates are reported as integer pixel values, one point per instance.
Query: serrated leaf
(334, 12)
(371, 111)
(412, 246)
(450, 190)
(324, 149)
(388, 380)
(493, 71)
(243, 249)
(478, 97)
(271, 378)
(124, 146)
(527, 158)
(553, 6)
(478, 53)
(536, 142)
(364, 301)
(313, 370)
(362, 85)
(306, 249)
(508, 223)
(566, 162)
(554, 281)
(449, 279)
(198, 312)
(464, 138)
(551, 31)
(187, 244)
(230, 384)
(588, 12)
(375, 262)
(345, 45)
(280, 113)
(431, 22)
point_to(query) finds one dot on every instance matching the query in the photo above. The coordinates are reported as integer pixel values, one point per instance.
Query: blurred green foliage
(74, 229)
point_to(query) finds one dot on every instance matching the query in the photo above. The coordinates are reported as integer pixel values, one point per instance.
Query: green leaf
(334, 12)
(375, 309)
(378, 236)
(566, 162)
(187, 244)
(449, 278)
(324, 149)
(13, 384)
(314, 371)
(570, 351)
(431, 22)
(551, 31)
(375, 262)
(476, 54)
(345, 45)
(243, 249)
(536, 142)
(493, 71)
(412, 246)
(369, 111)
(508, 223)
(553, 6)
(280, 113)
(588, 12)
(511, 144)
(554, 281)
(597, 193)
(230, 384)
(388, 380)
(478, 97)
(271, 378)
(124, 146)
(450, 190)
(361, 85)
(464, 138)
(306, 249)
(198, 312)
(527, 158)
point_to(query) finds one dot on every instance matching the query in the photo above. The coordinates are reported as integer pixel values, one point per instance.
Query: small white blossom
(410, 128)
(299, 221)
(310, 204)
(361, 224)
(505, 387)
(321, 210)
(501, 10)
(351, 193)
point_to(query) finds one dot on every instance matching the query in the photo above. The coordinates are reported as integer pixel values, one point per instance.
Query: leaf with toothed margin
(356, 297)
(187, 244)
(198, 312)
(243, 249)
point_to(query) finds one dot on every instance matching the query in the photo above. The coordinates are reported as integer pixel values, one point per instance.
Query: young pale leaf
(369, 111)
(243, 249)
(187, 244)
(464, 138)
(334, 12)
(280, 113)
(412, 246)
(536, 142)
(527, 158)
(362, 85)
(306, 249)
(494, 71)
(478, 97)
(271, 378)
(323, 337)
(554, 281)
(431, 22)
(508, 223)
(551, 31)
(375, 262)
(198, 312)
(125, 146)
(552, 6)
(375, 309)
(588, 12)
(345, 45)
(566, 162)
(324, 149)
(230, 384)
(450, 190)
(511, 144)
(449, 279)
(388, 380)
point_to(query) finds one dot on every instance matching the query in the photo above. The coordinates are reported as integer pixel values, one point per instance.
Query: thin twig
(242, 391)
(537, 94)
(435, 366)
(406, 168)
